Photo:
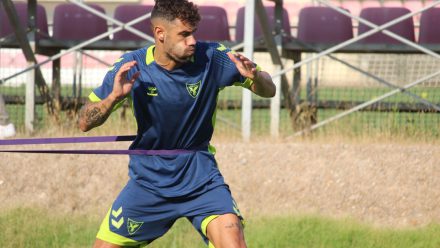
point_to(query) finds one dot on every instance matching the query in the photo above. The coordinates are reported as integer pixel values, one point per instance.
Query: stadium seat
(128, 12)
(230, 6)
(76, 24)
(382, 15)
(429, 27)
(257, 30)
(21, 8)
(213, 25)
(323, 25)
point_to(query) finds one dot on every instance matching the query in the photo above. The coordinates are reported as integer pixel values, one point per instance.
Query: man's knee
(102, 244)
(226, 231)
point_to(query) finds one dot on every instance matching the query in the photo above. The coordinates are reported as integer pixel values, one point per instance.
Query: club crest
(193, 89)
(133, 226)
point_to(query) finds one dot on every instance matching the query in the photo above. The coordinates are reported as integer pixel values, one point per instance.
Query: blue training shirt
(176, 110)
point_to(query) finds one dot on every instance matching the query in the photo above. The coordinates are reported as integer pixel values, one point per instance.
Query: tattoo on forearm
(94, 116)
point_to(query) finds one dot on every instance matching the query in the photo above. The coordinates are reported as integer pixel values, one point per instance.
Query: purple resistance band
(93, 139)
(105, 152)
(45, 141)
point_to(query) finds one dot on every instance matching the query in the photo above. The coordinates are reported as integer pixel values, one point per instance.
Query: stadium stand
(270, 10)
(429, 27)
(323, 25)
(382, 15)
(72, 23)
(7, 31)
(129, 12)
(213, 16)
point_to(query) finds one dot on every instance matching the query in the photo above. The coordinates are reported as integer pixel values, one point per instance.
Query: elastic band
(104, 152)
(41, 141)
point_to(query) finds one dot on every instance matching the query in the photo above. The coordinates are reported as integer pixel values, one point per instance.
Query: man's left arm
(262, 81)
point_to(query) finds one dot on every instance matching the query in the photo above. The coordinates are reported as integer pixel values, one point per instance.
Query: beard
(180, 59)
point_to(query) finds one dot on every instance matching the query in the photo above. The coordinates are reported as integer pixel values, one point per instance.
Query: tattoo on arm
(95, 116)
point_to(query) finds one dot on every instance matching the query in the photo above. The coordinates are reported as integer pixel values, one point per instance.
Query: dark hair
(170, 10)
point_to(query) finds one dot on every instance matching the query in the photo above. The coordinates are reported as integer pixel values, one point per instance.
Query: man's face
(179, 42)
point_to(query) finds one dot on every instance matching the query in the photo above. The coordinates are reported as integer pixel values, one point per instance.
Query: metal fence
(330, 92)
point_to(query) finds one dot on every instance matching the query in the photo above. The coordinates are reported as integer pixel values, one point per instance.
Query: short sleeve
(106, 87)
(229, 74)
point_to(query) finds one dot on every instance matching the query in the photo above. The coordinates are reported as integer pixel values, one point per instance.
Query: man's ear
(159, 32)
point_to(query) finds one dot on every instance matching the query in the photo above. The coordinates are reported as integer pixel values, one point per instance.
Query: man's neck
(164, 61)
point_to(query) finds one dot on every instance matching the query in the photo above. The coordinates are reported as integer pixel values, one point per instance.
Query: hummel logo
(115, 214)
(152, 91)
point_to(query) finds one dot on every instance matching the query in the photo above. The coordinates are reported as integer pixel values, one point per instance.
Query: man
(7, 129)
(173, 89)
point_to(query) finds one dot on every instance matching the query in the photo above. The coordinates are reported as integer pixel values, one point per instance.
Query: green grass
(37, 228)
(26, 227)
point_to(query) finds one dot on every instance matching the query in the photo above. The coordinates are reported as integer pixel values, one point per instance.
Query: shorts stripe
(206, 221)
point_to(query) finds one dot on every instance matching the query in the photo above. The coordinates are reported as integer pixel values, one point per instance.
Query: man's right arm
(94, 114)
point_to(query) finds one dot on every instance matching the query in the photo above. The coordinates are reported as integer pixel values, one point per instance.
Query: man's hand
(94, 114)
(263, 85)
(244, 65)
(121, 85)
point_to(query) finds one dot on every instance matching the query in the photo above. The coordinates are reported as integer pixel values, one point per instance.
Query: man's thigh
(210, 207)
(226, 231)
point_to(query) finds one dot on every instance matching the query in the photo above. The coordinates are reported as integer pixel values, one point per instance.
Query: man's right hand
(94, 114)
(121, 85)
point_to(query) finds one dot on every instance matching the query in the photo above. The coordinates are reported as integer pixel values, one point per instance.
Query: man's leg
(102, 244)
(226, 231)
(217, 218)
(135, 219)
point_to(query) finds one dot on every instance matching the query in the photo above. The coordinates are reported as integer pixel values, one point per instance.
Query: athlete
(173, 87)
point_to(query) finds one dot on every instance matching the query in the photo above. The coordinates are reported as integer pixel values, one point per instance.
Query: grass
(27, 227)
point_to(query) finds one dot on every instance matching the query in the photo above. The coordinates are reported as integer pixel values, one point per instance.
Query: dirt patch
(390, 184)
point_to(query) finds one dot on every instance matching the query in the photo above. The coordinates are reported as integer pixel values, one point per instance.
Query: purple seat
(270, 10)
(430, 27)
(21, 8)
(71, 22)
(213, 25)
(382, 15)
(323, 25)
(128, 12)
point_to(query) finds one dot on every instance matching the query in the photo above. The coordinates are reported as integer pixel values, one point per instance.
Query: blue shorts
(137, 216)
